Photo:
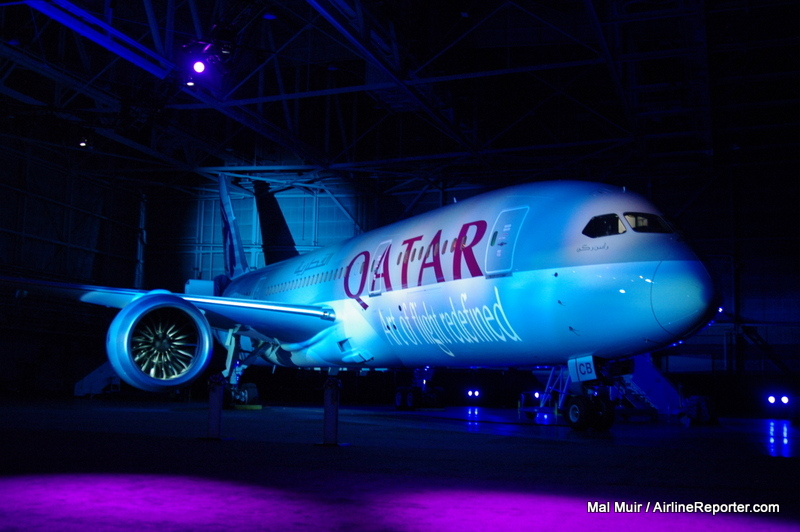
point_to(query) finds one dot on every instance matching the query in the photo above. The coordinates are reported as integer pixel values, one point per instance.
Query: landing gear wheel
(399, 400)
(604, 416)
(249, 394)
(580, 414)
(407, 398)
(412, 401)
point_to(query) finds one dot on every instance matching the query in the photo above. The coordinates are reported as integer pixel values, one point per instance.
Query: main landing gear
(242, 351)
(576, 395)
(420, 394)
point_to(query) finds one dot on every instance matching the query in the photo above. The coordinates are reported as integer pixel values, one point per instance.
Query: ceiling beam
(96, 30)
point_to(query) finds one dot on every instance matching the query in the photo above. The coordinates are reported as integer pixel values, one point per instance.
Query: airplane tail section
(235, 258)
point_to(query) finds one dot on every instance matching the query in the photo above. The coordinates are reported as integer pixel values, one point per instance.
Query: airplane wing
(96, 295)
(286, 322)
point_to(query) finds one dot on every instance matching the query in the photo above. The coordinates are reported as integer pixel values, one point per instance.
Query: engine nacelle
(159, 341)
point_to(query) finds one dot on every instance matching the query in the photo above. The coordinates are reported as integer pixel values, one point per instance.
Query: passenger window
(647, 223)
(604, 225)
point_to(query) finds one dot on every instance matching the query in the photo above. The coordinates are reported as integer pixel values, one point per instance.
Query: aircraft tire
(400, 396)
(604, 417)
(580, 413)
(398, 399)
(407, 398)
(250, 394)
(412, 399)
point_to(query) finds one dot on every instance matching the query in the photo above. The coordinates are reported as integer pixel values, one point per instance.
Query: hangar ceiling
(393, 104)
(399, 95)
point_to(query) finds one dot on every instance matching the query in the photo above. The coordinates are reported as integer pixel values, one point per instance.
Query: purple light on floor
(111, 502)
(486, 510)
(105, 502)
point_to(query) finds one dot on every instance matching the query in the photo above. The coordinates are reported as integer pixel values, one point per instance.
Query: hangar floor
(110, 465)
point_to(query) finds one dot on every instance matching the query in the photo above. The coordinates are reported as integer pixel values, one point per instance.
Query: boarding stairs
(647, 391)
(644, 392)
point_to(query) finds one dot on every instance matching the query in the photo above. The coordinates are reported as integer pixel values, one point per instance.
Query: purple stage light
(199, 67)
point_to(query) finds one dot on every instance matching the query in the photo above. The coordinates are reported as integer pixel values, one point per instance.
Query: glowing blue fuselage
(508, 278)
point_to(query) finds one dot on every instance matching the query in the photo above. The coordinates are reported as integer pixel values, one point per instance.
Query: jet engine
(159, 341)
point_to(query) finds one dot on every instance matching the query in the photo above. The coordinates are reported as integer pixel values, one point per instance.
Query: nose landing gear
(581, 404)
(583, 412)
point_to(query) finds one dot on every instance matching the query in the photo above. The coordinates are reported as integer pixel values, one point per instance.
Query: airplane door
(502, 240)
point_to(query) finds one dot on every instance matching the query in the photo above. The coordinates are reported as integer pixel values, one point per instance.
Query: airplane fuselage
(533, 274)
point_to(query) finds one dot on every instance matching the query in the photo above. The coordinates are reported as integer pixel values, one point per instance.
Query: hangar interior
(333, 117)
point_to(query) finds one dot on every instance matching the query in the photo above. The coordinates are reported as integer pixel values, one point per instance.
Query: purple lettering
(465, 251)
(406, 258)
(434, 262)
(364, 273)
(382, 272)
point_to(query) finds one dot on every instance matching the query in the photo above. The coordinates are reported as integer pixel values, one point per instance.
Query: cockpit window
(604, 225)
(647, 223)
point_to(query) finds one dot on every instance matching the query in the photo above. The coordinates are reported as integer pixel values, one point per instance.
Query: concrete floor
(112, 465)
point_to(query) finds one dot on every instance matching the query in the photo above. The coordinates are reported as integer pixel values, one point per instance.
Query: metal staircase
(648, 389)
(644, 392)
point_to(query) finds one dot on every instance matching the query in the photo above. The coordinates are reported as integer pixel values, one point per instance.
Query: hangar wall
(69, 227)
(185, 234)
(60, 225)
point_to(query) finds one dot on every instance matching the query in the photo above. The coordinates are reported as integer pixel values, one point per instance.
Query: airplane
(566, 273)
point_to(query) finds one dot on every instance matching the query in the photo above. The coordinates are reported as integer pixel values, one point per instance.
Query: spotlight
(199, 62)
(773, 399)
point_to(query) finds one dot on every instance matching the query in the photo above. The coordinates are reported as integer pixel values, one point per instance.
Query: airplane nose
(681, 296)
